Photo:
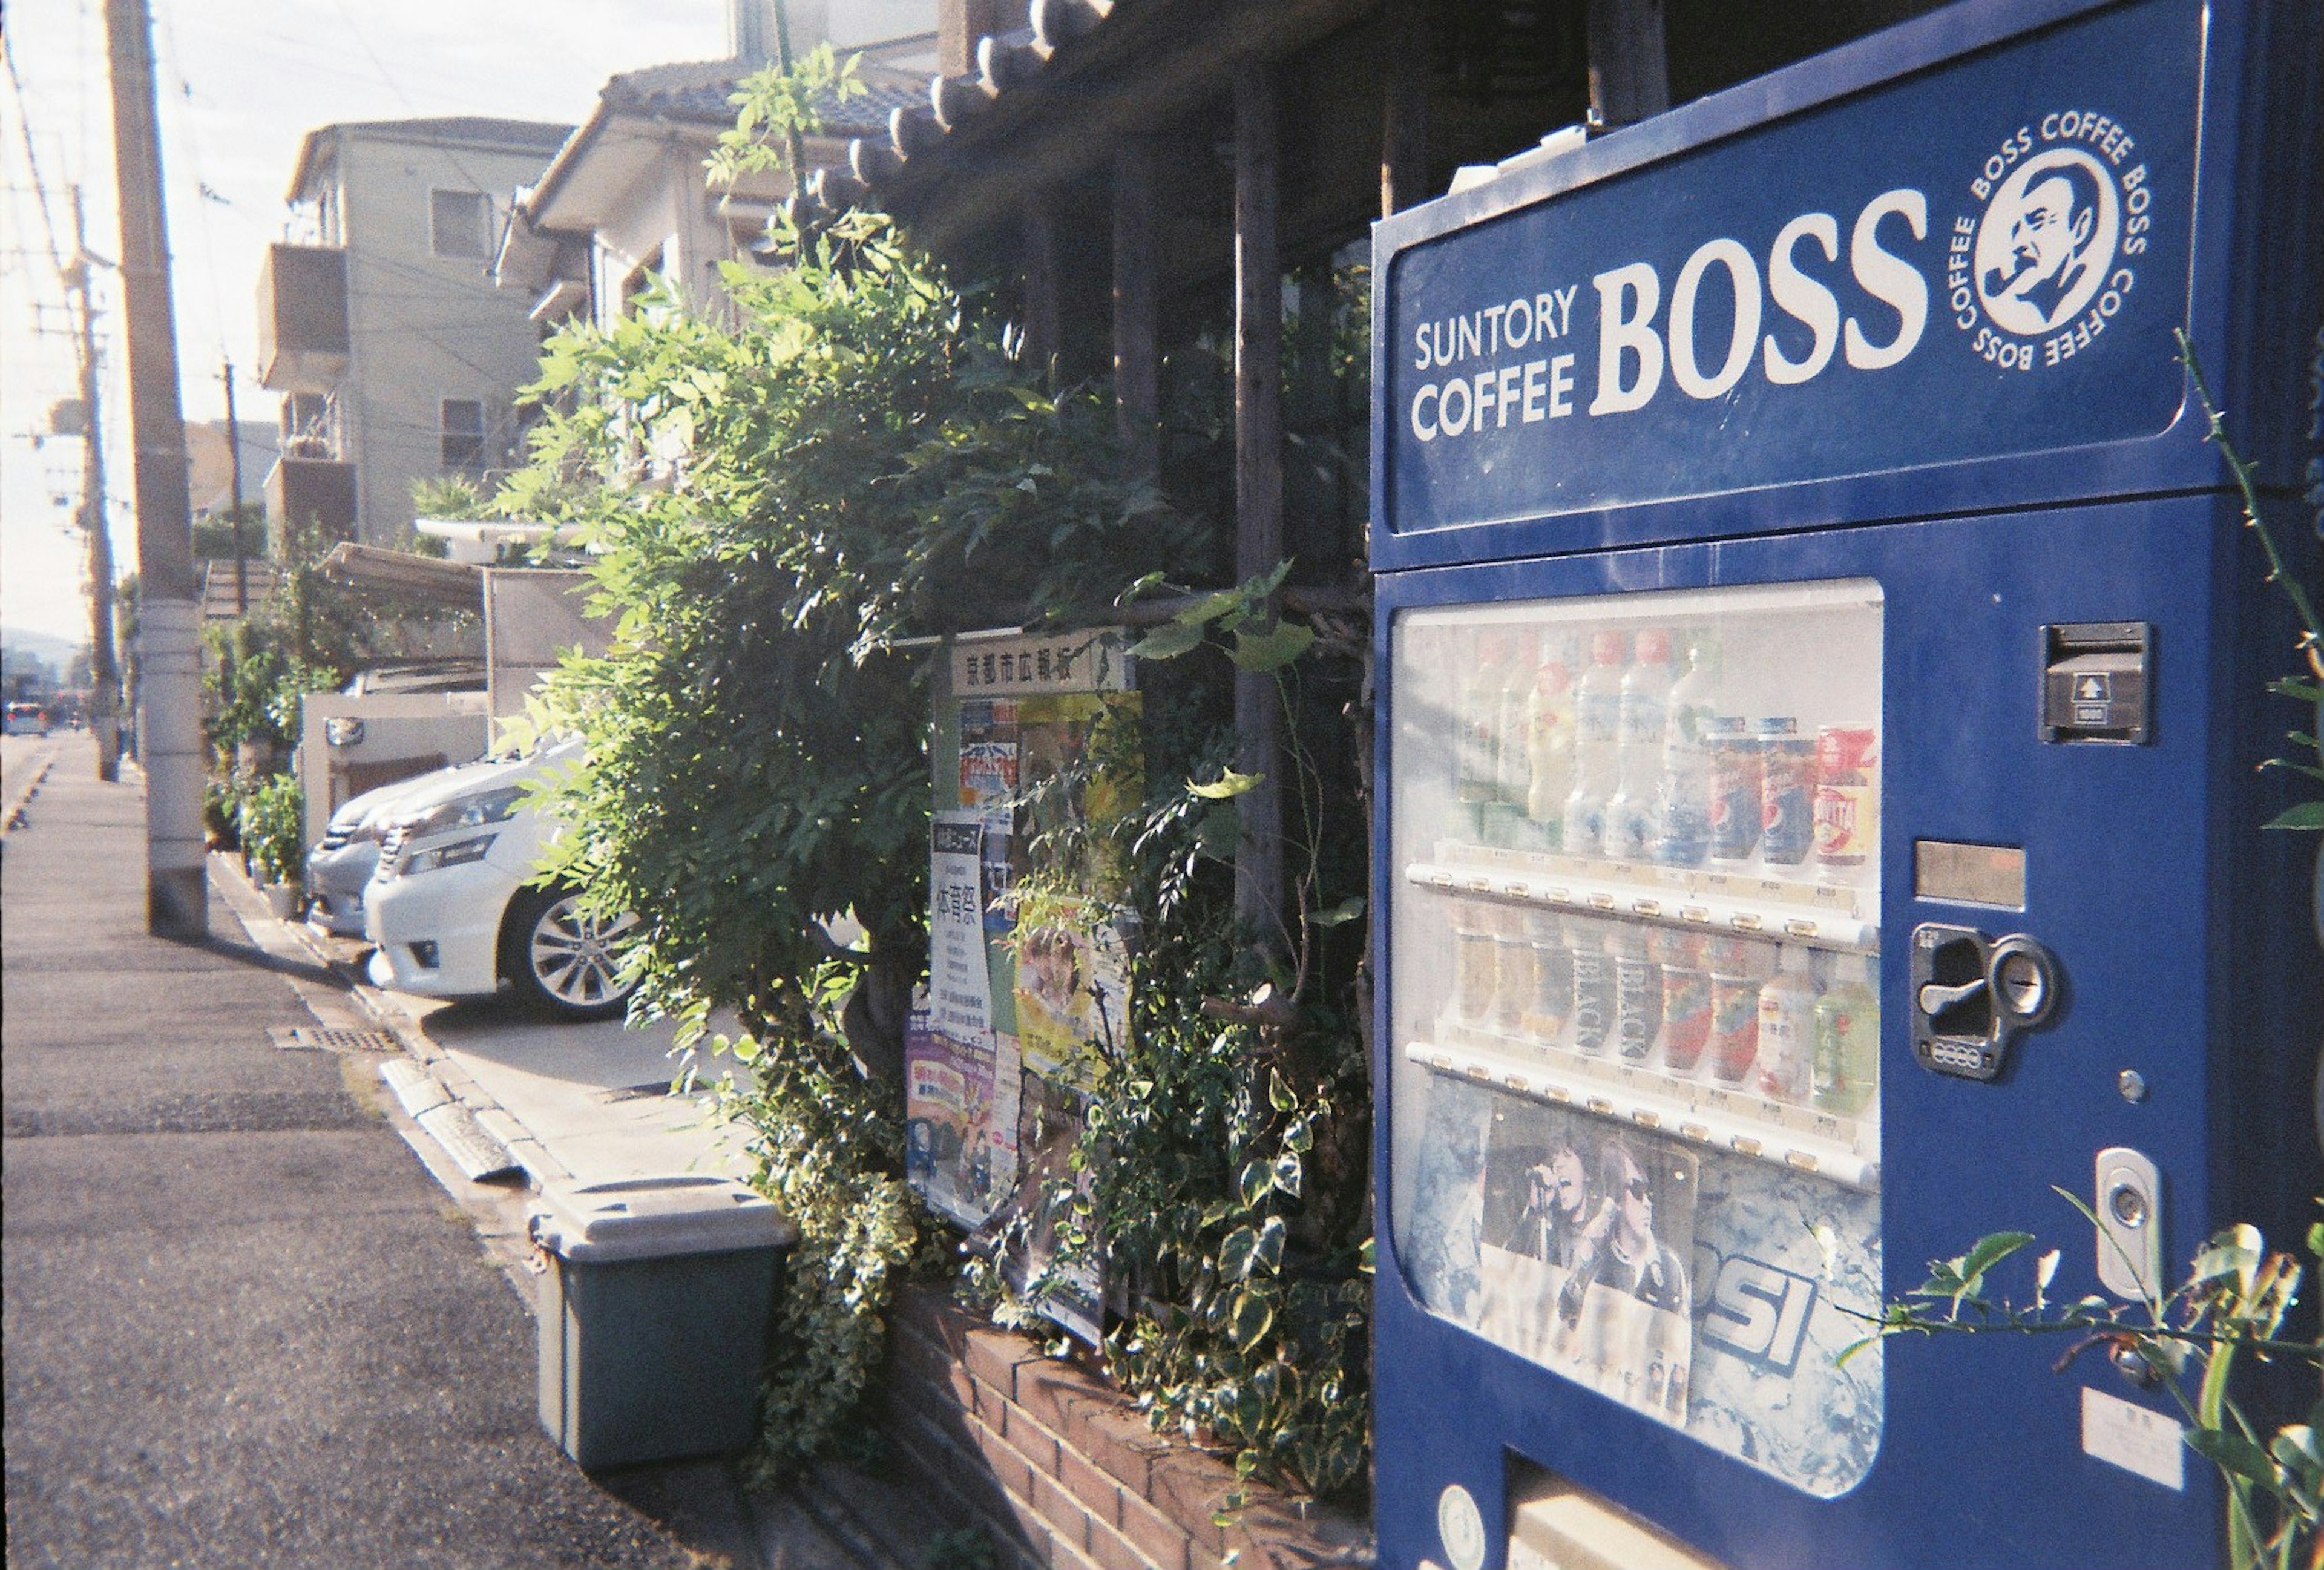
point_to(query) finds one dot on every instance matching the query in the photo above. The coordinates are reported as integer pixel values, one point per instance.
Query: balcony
(302, 318)
(315, 495)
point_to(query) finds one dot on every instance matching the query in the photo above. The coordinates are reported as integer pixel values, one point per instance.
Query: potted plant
(275, 838)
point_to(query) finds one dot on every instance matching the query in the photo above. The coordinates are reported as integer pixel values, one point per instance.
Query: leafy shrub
(253, 684)
(827, 1147)
(857, 459)
(275, 829)
(1222, 1170)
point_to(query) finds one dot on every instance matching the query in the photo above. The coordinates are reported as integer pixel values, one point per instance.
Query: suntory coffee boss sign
(1986, 258)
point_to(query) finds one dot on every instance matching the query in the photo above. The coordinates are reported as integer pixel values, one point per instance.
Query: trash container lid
(645, 1218)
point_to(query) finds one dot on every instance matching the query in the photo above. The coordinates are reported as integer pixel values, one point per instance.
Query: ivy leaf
(1226, 787)
(1234, 1255)
(1288, 1173)
(1250, 1318)
(1257, 1178)
(1272, 650)
(1211, 607)
(1338, 914)
(1278, 1092)
(1269, 1253)
(2306, 815)
(1136, 590)
(1168, 642)
(2292, 687)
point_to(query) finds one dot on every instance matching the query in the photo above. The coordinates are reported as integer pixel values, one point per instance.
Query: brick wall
(1054, 1464)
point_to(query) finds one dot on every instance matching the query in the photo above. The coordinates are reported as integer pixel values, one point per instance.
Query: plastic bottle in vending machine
(1637, 992)
(1597, 720)
(1476, 746)
(1737, 968)
(1642, 717)
(1512, 763)
(1686, 999)
(1476, 962)
(1592, 1013)
(1846, 799)
(1553, 977)
(1787, 1026)
(1549, 750)
(1513, 979)
(1683, 808)
(1734, 805)
(1786, 792)
(1848, 1036)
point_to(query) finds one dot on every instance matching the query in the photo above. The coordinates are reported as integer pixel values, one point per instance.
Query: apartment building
(625, 199)
(379, 324)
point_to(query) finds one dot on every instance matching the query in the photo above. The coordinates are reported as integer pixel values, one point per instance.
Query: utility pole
(177, 891)
(104, 669)
(233, 464)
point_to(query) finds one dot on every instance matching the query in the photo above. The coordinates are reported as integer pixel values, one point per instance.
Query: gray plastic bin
(654, 1311)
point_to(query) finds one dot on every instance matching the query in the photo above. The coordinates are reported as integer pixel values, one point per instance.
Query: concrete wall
(423, 328)
(452, 725)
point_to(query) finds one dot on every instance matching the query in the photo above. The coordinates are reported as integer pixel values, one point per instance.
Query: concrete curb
(16, 816)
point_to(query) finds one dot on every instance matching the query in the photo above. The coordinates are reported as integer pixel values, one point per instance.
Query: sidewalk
(242, 1328)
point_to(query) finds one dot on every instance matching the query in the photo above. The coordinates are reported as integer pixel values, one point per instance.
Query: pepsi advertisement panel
(1987, 257)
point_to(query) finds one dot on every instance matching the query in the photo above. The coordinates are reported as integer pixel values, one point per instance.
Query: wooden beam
(1403, 130)
(1629, 73)
(1258, 483)
(1044, 319)
(1136, 359)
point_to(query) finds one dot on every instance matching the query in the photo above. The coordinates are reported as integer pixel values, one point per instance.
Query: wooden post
(1137, 363)
(234, 468)
(1404, 130)
(1044, 321)
(1258, 483)
(1629, 75)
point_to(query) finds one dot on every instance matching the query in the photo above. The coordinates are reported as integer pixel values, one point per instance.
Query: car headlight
(459, 853)
(471, 811)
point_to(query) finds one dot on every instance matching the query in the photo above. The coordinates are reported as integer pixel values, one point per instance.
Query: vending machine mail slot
(2097, 681)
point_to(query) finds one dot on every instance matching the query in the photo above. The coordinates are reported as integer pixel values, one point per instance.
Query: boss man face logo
(2038, 273)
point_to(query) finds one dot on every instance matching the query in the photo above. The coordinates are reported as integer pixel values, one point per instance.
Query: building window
(464, 436)
(459, 223)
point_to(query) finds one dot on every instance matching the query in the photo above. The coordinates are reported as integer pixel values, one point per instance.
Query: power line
(32, 157)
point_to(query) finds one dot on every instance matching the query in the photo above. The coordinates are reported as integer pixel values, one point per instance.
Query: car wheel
(564, 962)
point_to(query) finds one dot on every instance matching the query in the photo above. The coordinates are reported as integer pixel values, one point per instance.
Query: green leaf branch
(2307, 642)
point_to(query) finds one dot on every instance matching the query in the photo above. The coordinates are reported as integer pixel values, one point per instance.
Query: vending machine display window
(1635, 940)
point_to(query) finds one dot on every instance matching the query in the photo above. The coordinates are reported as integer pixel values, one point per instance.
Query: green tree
(857, 461)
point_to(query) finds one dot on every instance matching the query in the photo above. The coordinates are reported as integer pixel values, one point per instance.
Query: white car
(453, 911)
(339, 869)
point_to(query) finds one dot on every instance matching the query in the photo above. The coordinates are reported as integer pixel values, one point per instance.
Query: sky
(238, 83)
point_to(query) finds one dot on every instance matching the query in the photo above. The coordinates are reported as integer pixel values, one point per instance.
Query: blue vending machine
(1824, 670)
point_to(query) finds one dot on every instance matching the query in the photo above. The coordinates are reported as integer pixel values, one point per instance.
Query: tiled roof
(704, 90)
(1005, 63)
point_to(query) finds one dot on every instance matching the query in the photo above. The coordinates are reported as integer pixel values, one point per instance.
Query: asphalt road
(243, 1326)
